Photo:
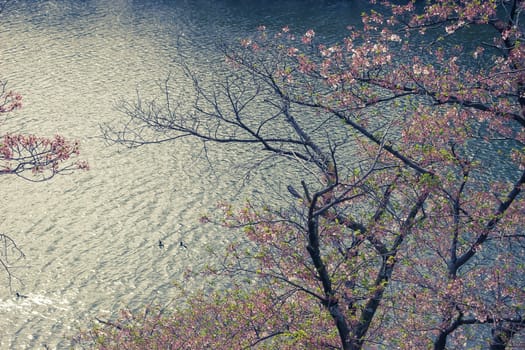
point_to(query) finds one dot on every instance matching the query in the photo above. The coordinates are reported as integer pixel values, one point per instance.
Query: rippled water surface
(91, 238)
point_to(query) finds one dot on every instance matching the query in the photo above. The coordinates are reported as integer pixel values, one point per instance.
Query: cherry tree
(404, 226)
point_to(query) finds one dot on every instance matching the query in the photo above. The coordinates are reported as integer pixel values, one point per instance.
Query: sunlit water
(91, 238)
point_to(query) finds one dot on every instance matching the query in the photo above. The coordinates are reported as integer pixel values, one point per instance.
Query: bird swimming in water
(18, 295)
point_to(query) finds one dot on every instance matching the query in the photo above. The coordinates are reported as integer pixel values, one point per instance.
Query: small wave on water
(30, 303)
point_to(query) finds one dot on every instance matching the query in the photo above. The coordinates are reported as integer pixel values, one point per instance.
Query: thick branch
(491, 224)
(330, 302)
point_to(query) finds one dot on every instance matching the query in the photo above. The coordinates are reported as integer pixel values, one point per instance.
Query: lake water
(91, 238)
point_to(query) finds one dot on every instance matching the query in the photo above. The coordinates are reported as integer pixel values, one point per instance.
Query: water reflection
(92, 240)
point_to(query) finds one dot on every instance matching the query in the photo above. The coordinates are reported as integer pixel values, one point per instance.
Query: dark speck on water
(18, 295)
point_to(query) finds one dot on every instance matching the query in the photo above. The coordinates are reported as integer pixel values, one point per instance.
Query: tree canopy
(405, 226)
